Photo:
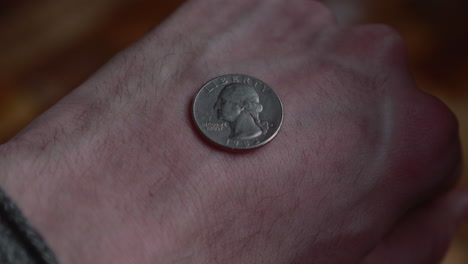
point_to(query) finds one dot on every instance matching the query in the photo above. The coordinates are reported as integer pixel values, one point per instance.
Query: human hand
(115, 173)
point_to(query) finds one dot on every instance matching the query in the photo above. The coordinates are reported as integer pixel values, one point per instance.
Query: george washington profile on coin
(237, 112)
(239, 105)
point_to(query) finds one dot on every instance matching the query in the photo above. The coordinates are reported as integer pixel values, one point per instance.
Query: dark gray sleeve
(19, 242)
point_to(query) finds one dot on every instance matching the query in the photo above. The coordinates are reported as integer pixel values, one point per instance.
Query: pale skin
(362, 171)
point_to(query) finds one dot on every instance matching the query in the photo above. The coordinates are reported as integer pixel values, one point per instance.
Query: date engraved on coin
(237, 112)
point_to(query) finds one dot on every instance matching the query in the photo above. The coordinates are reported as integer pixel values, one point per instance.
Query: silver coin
(237, 112)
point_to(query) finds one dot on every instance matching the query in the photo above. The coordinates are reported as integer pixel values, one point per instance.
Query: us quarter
(237, 112)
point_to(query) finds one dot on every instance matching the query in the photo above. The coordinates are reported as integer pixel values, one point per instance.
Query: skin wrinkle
(140, 84)
(260, 231)
(97, 110)
(357, 180)
(358, 214)
(323, 81)
(170, 181)
(217, 232)
(239, 248)
(303, 255)
(246, 238)
(322, 202)
(283, 218)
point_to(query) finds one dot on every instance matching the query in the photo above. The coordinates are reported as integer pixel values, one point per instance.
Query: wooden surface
(49, 47)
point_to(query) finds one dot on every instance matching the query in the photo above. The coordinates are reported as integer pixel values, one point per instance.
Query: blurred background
(49, 47)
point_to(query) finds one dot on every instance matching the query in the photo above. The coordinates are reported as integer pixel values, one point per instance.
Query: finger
(423, 236)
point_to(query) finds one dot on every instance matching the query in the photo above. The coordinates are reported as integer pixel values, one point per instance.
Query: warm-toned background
(49, 47)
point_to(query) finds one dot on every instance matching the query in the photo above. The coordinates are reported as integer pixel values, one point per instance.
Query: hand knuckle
(381, 38)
